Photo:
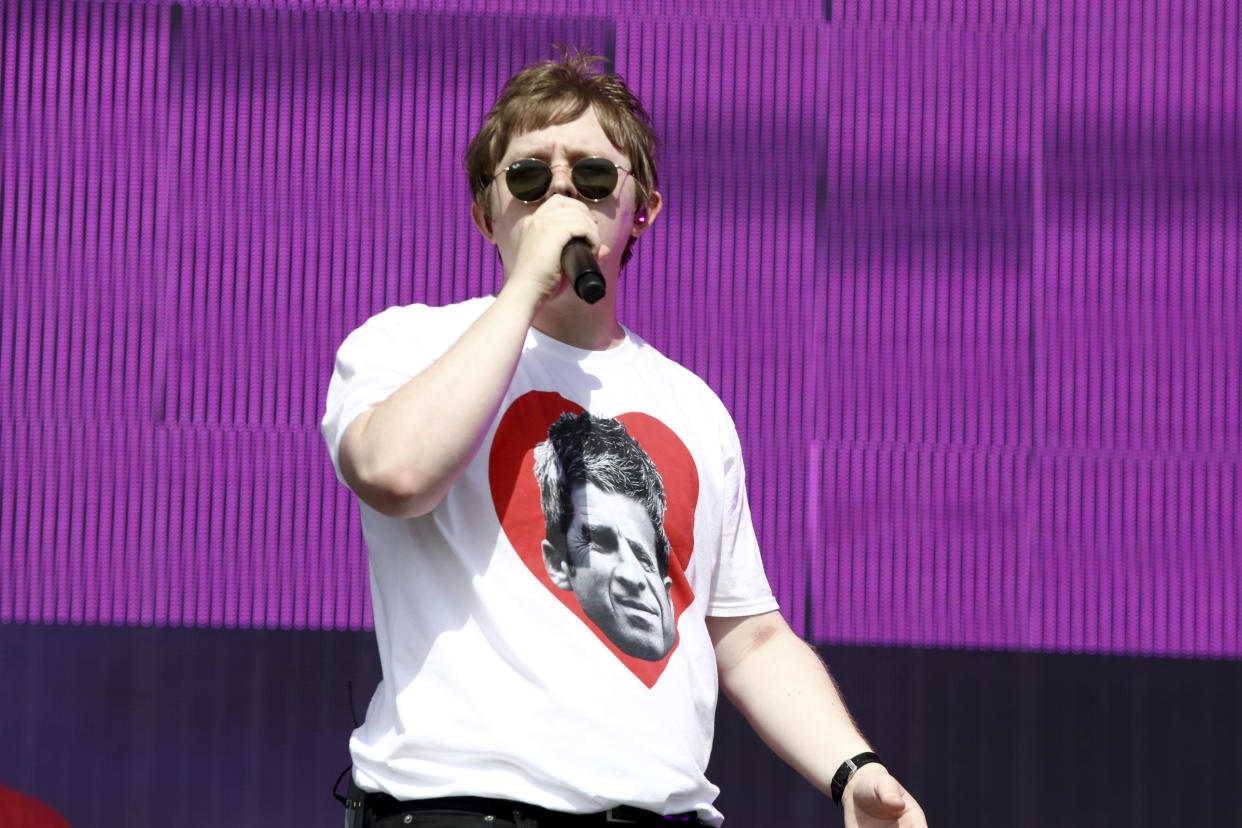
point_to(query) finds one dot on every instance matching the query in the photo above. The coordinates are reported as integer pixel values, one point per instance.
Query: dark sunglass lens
(528, 179)
(595, 178)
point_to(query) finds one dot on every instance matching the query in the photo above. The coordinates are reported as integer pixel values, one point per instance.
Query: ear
(481, 221)
(557, 564)
(647, 216)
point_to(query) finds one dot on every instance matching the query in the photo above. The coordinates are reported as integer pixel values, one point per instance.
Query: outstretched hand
(874, 799)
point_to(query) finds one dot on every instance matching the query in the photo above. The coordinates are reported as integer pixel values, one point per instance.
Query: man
(603, 510)
(498, 704)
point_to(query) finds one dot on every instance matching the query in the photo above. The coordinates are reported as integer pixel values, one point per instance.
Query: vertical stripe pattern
(966, 274)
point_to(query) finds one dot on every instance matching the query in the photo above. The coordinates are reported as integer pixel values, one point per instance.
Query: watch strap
(842, 777)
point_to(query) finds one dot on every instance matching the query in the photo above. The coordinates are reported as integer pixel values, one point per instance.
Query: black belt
(381, 806)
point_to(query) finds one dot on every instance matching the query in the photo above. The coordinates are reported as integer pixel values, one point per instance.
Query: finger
(575, 221)
(559, 209)
(558, 202)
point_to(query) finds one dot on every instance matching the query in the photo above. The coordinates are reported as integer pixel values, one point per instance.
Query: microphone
(582, 269)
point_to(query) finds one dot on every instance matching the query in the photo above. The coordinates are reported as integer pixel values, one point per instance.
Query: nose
(562, 181)
(629, 572)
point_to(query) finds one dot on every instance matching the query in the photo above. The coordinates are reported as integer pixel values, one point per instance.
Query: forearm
(402, 456)
(778, 682)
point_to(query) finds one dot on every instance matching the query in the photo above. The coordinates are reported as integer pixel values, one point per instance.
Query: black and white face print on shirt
(603, 512)
(603, 539)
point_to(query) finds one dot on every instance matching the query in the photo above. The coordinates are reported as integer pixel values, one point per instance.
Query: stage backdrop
(966, 275)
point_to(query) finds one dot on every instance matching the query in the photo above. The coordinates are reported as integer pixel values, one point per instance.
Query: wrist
(522, 296)
(533, 278)
(849, 770)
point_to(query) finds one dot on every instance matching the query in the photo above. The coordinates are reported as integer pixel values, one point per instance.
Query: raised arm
(784, 690)
(402, 456)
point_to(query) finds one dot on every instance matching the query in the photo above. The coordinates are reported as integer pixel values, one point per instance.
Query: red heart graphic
(515, 493)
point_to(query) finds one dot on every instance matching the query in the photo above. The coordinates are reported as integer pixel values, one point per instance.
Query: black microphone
(580, 266)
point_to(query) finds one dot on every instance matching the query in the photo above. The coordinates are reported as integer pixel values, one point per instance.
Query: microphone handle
(583, 271)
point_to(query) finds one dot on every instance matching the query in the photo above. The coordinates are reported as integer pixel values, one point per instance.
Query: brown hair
(553, 92)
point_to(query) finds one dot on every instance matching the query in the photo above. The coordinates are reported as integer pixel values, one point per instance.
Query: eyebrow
(591, 531)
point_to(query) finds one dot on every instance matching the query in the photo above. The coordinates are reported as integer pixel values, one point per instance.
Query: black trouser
(376, 810)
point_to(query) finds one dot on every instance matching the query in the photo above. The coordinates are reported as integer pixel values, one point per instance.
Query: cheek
(599, 573)
(508, 219)
(509, 231)
(613, 237)
(660, 589)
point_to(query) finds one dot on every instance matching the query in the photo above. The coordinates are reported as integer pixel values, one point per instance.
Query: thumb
(883, 796)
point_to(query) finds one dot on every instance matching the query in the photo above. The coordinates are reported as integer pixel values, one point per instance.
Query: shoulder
(403, 316)
(421, 323)
(688, 388)
(687, 383)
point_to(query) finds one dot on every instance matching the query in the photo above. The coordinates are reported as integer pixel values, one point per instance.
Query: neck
(568, 319)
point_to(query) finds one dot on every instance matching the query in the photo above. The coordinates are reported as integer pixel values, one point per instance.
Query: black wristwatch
(842, 777)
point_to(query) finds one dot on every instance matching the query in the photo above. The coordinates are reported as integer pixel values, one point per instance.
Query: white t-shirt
(495, 681)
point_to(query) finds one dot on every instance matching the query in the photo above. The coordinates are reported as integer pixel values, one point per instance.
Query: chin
(647, 651)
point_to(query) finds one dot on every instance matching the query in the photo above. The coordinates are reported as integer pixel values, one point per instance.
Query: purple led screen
(966, 274)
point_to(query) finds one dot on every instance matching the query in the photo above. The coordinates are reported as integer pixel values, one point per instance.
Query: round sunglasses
(594, 178)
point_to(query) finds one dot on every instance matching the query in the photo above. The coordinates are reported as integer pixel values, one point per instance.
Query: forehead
(594, 506)
(578, 138)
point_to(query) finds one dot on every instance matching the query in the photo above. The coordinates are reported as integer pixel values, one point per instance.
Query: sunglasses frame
(505, 170)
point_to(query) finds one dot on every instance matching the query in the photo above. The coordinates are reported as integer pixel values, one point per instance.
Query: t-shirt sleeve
(741, 586)
(373, 362)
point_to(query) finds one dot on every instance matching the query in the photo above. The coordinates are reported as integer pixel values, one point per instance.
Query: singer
(562, 558)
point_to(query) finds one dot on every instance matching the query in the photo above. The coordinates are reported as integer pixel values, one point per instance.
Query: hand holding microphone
(556, 244)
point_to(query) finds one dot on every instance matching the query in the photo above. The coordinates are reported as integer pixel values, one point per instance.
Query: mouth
(635, 605)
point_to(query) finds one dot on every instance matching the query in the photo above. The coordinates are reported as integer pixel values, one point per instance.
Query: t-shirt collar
(545, 345)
